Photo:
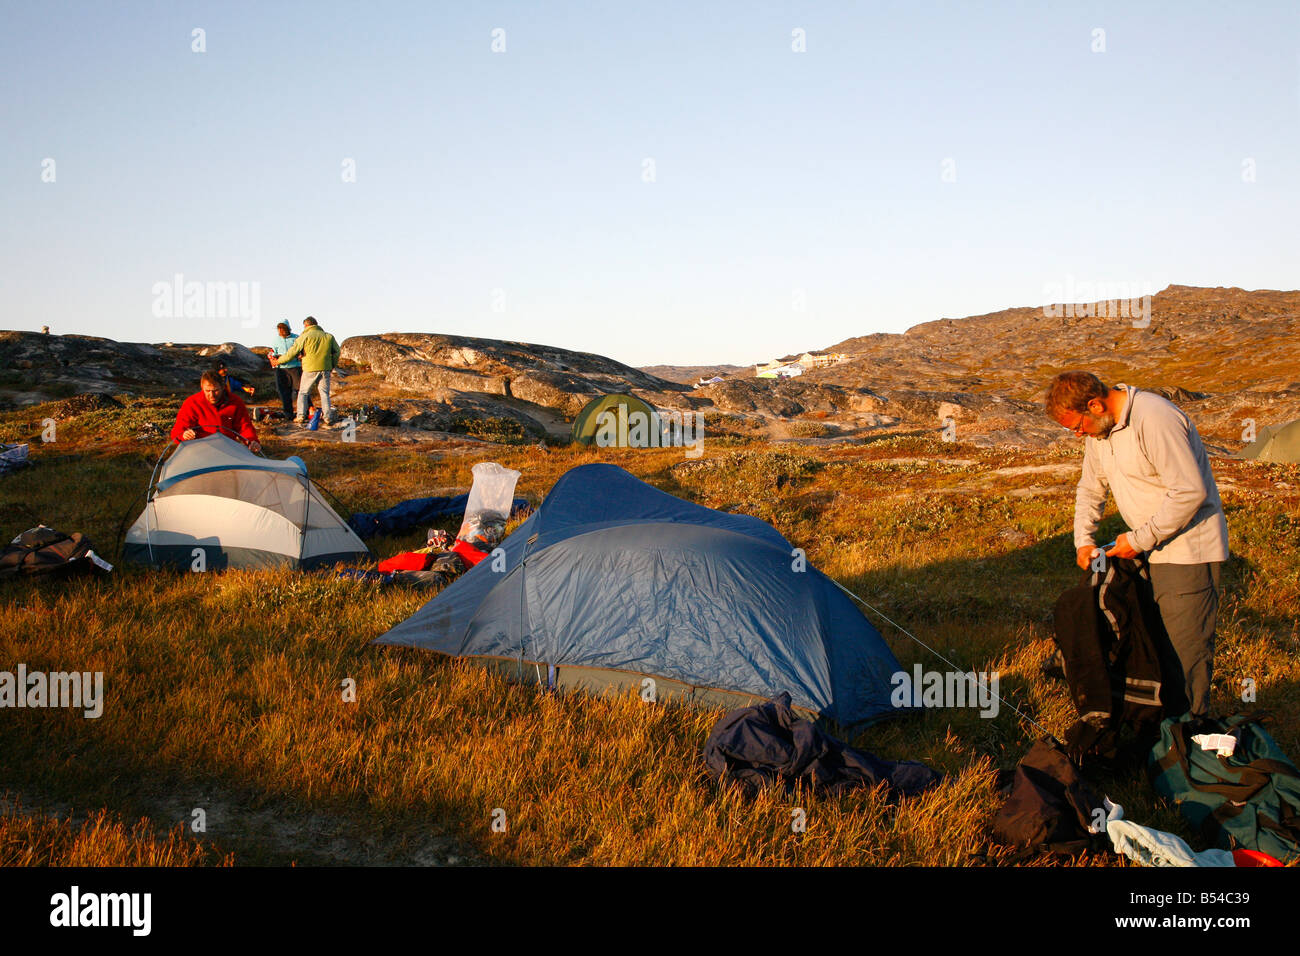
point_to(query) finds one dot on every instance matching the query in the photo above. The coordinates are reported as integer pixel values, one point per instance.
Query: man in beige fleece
(1147, 452)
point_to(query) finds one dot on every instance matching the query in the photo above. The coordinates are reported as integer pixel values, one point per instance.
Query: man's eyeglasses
(1077, 427)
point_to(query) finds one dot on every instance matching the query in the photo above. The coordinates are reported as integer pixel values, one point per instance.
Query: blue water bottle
(315, 421)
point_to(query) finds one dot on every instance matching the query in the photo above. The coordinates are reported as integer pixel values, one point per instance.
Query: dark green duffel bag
(1250, 799)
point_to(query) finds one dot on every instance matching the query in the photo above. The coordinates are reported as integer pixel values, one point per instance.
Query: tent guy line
(940, 656)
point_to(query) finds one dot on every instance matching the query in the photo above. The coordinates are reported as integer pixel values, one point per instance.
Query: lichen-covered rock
(459, 378)
(41, 367)
(235, 356)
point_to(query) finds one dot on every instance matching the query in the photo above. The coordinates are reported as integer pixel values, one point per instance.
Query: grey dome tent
(240, 509)
(612, 581)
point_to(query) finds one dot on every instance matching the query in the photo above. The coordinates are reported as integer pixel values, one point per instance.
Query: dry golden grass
(35, 839)
(224, 692)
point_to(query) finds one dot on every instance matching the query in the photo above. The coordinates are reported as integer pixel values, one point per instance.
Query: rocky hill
(37, 368)
(1224, 355)
(690, 374)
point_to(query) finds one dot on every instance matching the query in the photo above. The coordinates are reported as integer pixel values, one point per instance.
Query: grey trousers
(1188, 598)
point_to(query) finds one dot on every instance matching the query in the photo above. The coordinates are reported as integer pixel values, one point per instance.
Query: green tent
(630, 422)
(1275, 443)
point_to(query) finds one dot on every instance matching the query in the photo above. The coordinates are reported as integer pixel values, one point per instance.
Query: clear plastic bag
(490, 498)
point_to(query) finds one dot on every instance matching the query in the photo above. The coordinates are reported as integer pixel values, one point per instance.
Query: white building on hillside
(820, 359)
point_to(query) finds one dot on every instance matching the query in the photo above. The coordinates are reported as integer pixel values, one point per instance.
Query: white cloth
(1155, 847)
(1222, 744)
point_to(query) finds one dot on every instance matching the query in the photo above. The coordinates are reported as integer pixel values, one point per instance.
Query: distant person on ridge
(288, 375)
(1146, 451)
(320, 356)
(214, 409)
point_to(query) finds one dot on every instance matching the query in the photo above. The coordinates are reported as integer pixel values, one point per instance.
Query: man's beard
(1105, 422)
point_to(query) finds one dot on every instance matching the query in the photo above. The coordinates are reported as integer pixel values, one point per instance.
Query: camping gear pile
(487, 508)
(414, 512)
(217, 502)
(1229, 779)
(1230, 782)
(431, 566)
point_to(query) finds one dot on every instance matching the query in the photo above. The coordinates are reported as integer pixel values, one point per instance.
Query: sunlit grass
(226, 692)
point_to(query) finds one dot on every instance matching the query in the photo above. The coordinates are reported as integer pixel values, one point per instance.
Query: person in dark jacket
(235, 386)
(288, 375)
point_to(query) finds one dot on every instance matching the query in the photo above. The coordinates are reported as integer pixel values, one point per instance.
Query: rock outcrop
(533, 384)
(36, 367)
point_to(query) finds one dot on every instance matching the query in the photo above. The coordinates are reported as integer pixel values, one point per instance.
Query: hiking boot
(300, 421)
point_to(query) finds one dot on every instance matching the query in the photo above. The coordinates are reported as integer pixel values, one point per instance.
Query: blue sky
(797, 198)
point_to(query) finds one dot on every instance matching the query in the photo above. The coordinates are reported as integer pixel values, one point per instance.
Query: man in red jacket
(214, 409)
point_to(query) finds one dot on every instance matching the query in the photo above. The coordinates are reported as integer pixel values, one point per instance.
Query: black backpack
(44, 551)
(1049, 806)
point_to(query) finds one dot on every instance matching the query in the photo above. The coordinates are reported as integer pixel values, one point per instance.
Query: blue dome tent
(612, 581)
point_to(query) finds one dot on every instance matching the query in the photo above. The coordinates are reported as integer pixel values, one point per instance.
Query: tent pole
(148, 499)
(306, 513)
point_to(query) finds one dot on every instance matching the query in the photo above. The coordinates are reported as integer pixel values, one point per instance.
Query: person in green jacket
(320, 356)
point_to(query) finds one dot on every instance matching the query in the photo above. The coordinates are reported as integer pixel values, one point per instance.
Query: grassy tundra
(223, 690)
